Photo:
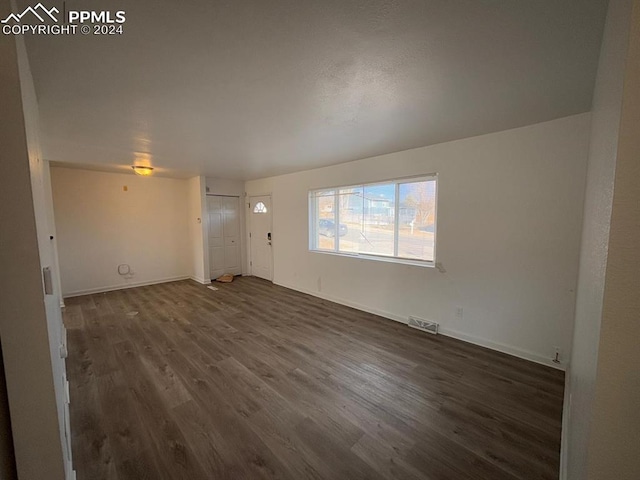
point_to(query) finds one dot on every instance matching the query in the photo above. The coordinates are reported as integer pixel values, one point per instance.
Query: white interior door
(224, 235)
(216, 236)
(45, 227)
(231, 230)
(260, 236)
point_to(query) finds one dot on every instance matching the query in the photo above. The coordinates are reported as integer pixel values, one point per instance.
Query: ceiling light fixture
(142, 170)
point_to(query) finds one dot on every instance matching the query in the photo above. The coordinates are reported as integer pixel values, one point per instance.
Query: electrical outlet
(459, 312)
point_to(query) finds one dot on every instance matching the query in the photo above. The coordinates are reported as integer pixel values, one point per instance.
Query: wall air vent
(424, 325)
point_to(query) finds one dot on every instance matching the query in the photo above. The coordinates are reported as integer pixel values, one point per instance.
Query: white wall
(510, 217)
(197, 233)
(221, 186)
(30, 322)
(99, 226)
(602, 418)
(614, 445)
(232, 188)
(607, 104)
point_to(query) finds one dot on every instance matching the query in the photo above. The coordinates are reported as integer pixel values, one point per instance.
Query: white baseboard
(482, 342)
(125, 286)
(566, 420)
(200, 280)
(501, 347)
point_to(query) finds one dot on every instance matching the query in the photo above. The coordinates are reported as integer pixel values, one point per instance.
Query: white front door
(260, 236)
(224, 235)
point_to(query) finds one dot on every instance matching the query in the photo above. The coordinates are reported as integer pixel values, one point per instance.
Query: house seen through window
(394, 219)
(260, 208)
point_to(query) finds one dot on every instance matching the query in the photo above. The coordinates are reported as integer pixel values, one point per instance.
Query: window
(260, 208)
(394, 220)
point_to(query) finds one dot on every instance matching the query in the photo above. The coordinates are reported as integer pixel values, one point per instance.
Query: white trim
(482, 342)
(111, 288)
(266, 194)
(336, 221)
(379, 258)
(566, 420)
(396, 221)
(250, 232)
(501, 347)
(203, 281)
(435, 221)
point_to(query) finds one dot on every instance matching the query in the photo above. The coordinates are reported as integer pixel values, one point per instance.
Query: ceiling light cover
(142, 170)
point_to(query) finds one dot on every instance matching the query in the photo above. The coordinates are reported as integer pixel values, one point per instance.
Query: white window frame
(313, 222)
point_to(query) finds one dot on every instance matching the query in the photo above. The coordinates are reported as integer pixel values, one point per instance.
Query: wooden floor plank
(253, 380)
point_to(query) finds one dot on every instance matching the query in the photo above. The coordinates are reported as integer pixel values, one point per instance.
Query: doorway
(260, 238)
(224, 235)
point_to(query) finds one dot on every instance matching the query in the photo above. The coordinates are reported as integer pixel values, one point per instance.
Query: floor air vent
(424, 325)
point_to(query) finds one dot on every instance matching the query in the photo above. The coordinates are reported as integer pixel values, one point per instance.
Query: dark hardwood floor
(252, 381)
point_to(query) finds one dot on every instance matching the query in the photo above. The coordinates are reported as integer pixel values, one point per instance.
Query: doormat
(226, 278)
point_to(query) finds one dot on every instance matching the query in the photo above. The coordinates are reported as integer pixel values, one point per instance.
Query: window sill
(379, 258)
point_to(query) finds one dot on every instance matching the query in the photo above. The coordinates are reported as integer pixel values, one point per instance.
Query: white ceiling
(250, 88)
